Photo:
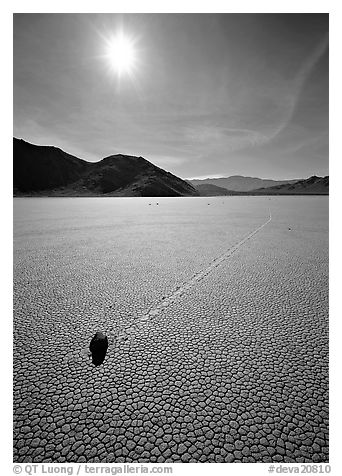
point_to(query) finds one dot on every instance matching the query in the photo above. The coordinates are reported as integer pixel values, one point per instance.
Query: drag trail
(179, 291)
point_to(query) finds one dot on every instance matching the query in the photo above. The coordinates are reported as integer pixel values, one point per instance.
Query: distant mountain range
(238, 183)
(47, 170)
(311, 186)
(210, 190)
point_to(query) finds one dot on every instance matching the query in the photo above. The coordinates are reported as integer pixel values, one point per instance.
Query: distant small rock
(98, 348)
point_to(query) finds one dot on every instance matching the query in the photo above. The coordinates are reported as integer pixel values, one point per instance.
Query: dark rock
(98, 348)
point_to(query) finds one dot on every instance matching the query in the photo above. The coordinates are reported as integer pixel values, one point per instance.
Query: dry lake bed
(216, 312)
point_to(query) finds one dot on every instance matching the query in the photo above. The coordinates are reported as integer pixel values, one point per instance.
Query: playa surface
(217, 321)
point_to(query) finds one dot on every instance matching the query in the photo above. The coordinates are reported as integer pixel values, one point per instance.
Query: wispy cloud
(235, 138)
(298, 84)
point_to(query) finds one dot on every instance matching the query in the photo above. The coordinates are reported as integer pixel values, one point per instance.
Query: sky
(208, 95)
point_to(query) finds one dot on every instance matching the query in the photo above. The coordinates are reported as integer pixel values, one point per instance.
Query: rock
(98, 348)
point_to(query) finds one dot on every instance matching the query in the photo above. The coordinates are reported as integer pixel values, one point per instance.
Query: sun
(121, 54)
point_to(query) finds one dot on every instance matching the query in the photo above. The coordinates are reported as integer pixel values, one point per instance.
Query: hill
(238, 183)
(311, 186)
(47, 170)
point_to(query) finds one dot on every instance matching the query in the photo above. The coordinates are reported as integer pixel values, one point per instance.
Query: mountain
(210, 190)
(238, 183)
(38, 167)
(311, 186)
(47, 170)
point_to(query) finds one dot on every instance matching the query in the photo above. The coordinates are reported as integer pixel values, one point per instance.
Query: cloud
(283, 102)
(297, 85)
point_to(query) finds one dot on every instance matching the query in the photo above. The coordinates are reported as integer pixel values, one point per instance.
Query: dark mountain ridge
(47, 170)
(37, 167)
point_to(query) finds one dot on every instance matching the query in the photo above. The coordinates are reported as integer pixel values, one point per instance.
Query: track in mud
(182, 289)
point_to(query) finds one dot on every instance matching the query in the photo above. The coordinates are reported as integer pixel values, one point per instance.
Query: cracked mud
(217, 321)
